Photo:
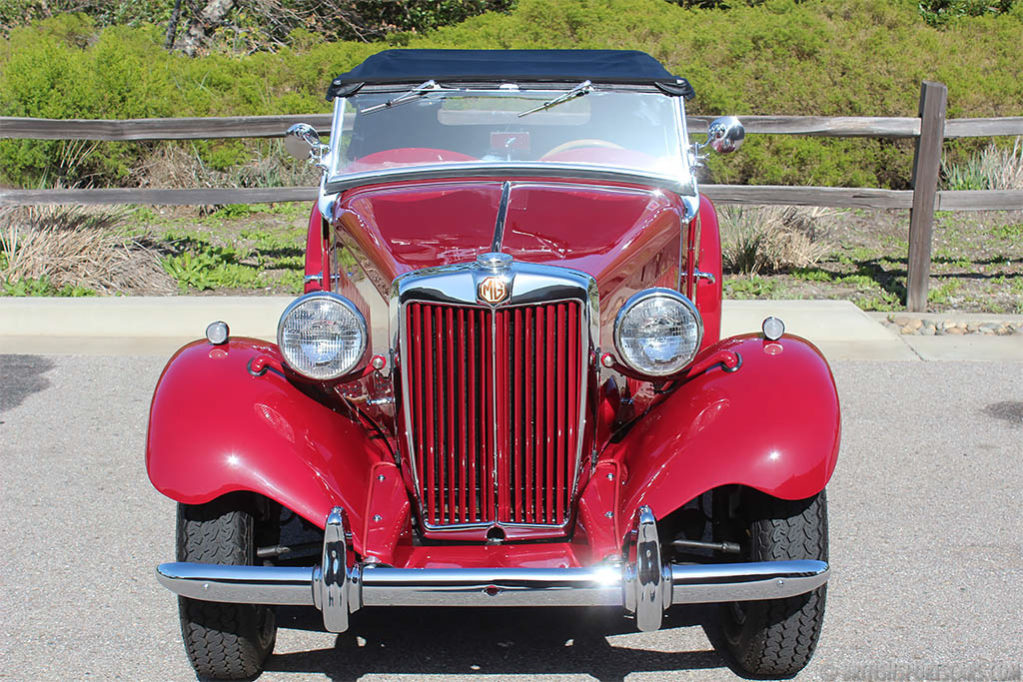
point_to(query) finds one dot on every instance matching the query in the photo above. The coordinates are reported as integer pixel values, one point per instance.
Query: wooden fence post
(926, 165)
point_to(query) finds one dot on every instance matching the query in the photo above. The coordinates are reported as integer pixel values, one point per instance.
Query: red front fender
(215, 428)
(773, 425)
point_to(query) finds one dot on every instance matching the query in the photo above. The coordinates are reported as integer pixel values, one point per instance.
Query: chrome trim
(647, 580)
(641, 296)
(239, 584)
(772, 327)
(725, 134)
(700, 274)
(307, 279)
(502, 215)
(217, 332)
(583, 88)
(337, 298)
(592, 586)
(599, 585)
(302, 141)
(504, 169)
(333, 580)
(528, 284)
(646, 586)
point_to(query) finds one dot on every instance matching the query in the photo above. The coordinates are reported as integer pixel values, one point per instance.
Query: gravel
(937, 325)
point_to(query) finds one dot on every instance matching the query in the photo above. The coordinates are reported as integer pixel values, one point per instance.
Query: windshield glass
(635, 131)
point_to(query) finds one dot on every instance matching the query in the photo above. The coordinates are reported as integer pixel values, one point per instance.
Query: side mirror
(302, 142)
(725, 134)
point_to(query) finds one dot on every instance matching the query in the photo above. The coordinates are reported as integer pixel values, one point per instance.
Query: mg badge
(493, 290)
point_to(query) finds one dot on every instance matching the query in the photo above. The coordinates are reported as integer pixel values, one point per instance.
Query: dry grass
(174, 166)
(72, 246)
(994, 168)
(772, 238)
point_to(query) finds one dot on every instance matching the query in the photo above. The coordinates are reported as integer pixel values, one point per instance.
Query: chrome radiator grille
(494, 410)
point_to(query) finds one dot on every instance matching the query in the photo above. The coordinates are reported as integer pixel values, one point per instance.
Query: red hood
(615, 233)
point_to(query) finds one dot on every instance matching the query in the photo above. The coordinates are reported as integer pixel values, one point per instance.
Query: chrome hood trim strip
(505, 170)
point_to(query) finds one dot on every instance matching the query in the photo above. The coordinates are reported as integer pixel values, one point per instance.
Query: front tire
(777, 637)
(223, 641)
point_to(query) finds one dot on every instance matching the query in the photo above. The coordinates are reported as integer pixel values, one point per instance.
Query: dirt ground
(977, 263)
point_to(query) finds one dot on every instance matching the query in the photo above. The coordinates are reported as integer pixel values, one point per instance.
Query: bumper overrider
(641, 581)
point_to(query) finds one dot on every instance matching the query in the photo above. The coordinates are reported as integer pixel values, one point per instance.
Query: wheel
(777, 637)
(223, 641)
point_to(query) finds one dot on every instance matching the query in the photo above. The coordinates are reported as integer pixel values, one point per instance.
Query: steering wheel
(582, 142)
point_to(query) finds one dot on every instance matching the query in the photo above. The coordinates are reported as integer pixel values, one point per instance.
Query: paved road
(926, 548)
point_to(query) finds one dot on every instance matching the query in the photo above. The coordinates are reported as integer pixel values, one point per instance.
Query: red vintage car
(505, 384)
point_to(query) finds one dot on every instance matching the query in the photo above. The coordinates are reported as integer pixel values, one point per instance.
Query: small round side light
(217, 333)
(773, 328)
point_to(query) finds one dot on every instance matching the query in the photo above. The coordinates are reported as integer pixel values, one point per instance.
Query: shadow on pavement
(22, 376)
(453, 641)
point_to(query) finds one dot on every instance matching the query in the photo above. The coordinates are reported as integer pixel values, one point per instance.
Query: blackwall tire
(223, 641)
(776, 638)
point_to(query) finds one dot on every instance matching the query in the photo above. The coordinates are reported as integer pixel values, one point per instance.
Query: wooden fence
(929, 129)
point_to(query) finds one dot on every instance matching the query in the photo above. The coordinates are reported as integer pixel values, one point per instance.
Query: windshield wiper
(413, 94)
(583, 88)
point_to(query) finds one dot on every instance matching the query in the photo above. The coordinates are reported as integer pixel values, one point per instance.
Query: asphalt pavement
(926, 543)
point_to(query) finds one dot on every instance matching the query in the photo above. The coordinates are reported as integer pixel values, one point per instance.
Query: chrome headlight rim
(345, 303)
(640, 297)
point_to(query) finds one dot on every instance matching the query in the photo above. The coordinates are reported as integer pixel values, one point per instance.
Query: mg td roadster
(505, 383)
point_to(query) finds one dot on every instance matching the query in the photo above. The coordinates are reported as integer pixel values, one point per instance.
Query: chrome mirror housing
(725, 134)
(302, 141)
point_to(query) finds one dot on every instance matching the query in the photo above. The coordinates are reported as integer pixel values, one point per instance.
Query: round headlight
(658, 331)
(322, 335)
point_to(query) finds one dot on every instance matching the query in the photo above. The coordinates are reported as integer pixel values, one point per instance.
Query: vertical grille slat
(494, 422)
(462, 449)
(475, 504)
(527, 417)
(538, 443)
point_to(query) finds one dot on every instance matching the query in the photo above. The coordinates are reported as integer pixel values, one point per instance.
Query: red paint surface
(545, 555)
(387, 514)
(627, 238)
(708, 294)
(773, 425)
(214, 428)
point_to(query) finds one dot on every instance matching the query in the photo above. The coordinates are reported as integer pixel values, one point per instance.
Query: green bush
(840, 58)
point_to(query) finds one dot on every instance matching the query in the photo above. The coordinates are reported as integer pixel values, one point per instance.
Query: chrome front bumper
(642, 583)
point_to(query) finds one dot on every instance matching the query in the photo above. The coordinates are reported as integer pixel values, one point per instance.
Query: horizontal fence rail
(151, 129)
(765, 195)
(922, 201)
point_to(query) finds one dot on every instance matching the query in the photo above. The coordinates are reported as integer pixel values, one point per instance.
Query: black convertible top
(629, 67)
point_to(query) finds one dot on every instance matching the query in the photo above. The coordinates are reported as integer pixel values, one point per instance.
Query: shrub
(843, 58)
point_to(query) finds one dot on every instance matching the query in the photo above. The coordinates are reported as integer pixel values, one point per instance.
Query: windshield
(429, 126)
